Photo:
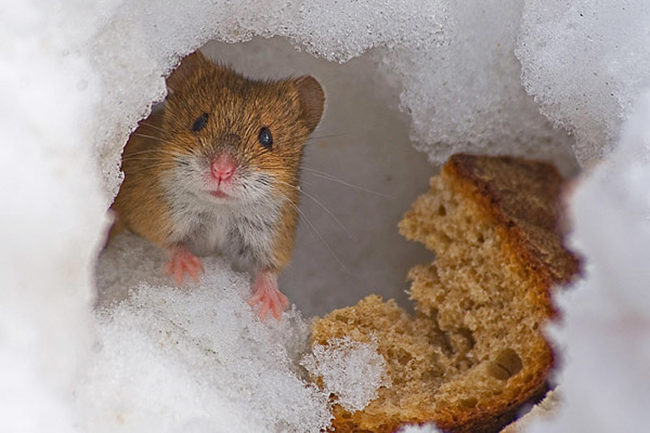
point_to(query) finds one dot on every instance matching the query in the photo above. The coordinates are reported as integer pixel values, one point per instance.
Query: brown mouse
(216, 172)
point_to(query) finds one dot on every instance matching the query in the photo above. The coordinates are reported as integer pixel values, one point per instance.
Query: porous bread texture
(474, 352)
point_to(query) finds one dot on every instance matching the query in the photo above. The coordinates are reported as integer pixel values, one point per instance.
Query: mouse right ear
(188, 66)
(312, 100)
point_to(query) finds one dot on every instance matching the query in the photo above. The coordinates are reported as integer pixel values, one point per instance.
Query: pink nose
(222, 168)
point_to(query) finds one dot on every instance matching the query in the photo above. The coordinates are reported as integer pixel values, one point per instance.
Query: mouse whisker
(158, 151)
(320, 237)
(326, 176)
(151, 137)
(250, 157)
(315, 200)
(321, 137)
(151, 161)
(149, 125)
(149, 168)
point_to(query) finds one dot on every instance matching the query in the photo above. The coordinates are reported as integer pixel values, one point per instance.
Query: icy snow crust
(77, 75)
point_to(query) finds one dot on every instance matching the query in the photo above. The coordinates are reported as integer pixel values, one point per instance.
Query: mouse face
(230, 140)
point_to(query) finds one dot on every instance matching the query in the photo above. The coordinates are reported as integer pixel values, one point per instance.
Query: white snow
(171, 357)
(586, 62)
(425, 428)
(606, 326)
(76, 77)
(351, 370)
(467, 95)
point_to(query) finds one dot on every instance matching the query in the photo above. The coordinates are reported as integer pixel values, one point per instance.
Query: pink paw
(267, 295)
(182, 261)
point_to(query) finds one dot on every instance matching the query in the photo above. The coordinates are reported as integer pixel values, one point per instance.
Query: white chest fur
(242, 234)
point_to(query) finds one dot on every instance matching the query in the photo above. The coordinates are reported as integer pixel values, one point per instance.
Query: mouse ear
(312, 100)
(189, 65)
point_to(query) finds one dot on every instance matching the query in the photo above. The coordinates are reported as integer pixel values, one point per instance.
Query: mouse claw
(183, 261)
(267, 296)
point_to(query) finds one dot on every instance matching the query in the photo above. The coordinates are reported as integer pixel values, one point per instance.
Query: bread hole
(404, 357)
(507, 364)
(469, 402)
(442, 211)
(480, 239)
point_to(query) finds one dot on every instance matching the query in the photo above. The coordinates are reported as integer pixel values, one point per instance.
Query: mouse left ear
(187, 68)
(312, 100)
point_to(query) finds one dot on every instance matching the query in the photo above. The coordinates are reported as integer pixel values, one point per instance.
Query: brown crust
(517, 200)
(522, 196)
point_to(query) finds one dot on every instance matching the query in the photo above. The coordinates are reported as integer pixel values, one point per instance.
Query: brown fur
(291, 109)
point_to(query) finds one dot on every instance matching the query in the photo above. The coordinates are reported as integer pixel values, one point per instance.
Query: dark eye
(265, 137)
(200, 122)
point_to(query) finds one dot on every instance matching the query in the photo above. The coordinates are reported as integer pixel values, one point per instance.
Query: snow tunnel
(104, 344)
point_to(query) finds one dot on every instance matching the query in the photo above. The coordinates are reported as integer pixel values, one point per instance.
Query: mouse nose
(222, 167)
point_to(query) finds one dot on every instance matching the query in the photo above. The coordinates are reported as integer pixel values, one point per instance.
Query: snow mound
(78, 75)
(586, 62)
(467, 95)
(168, 358)
(605, 334)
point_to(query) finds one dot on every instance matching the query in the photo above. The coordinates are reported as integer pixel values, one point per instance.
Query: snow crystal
(585, 62)
(606, 319)
(168, 358)
(351, 370)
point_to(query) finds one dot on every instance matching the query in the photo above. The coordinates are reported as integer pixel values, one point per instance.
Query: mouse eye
(265, 137)
(200, 122)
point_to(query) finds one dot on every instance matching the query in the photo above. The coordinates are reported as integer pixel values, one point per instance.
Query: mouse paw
(267, 296)
(182, 261)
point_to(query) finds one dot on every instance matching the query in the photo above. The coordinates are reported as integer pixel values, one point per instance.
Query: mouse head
(235, 140)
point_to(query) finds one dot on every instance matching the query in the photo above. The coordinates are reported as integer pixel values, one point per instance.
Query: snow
(425, 428)
(110, 346)
(606, 327)
(586, 62)
(170, 357)
(467, 95)
(351, 370)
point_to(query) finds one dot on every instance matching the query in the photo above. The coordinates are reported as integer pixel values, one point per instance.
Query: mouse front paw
(267, 295)
(182, 261)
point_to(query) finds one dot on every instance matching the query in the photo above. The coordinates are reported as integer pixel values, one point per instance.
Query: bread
(474, 352)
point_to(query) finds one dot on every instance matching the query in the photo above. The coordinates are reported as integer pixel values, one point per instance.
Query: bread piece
(474, 353)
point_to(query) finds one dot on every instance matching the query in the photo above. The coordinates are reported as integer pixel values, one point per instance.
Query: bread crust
(522, 196)
(493, 223)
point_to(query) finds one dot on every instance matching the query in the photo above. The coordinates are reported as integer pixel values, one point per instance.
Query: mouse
(216, 172)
